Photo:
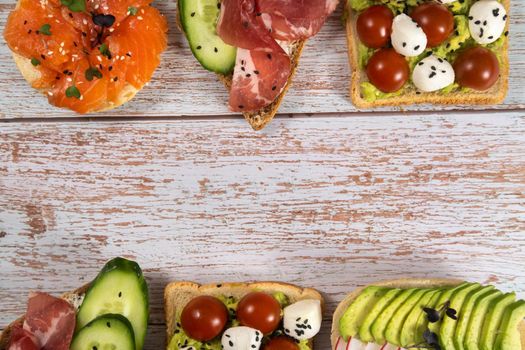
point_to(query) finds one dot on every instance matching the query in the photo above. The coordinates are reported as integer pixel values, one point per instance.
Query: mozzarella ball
(407, 37)
(487, 21)
(433, 73)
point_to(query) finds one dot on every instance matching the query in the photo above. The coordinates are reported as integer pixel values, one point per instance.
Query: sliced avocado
(365, 333)
(353, 317)
(379, 326)
(466, 313)
(409, 335)
(448, 326)
(493, 320)
(422, 322)
(394, 326)
(444, 298)
(509, 337)
(472, 337)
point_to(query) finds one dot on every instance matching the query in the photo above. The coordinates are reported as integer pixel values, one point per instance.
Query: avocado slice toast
(455, 316)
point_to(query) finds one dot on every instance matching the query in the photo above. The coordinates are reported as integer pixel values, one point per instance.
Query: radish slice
(373, 346)
(340, 344)
(356, 344)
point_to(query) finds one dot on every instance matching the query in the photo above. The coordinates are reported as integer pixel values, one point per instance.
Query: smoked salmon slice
(89, 55)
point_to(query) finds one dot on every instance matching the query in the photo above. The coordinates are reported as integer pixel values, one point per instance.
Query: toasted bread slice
(74, 298)
(178, 294)
(259, 119)
(495, 95)
(400, 283)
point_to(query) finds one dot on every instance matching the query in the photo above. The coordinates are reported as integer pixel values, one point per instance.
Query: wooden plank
(182, 88)
(332, 203)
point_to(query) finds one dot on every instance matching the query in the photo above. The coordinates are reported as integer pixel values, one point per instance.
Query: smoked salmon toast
(86, 55)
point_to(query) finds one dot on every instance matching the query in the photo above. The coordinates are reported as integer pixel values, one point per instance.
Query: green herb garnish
(92, 73)
(73, 91)
(45, 29)
(104, 50)
(35, 62)
(75, 5)
(133, 10)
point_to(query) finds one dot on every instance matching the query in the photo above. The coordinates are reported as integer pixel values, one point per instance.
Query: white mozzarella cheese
(487, 21)
(433, 73)
(241, 338)
(302, 320)
(408, 38)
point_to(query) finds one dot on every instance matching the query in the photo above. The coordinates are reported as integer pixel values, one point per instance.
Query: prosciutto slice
(49, 324)
(291, 20)
(262, 66)
(259, 77)
(238, 25)
(22, 339)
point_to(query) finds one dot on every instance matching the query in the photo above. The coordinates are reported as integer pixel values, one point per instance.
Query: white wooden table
(333, 199)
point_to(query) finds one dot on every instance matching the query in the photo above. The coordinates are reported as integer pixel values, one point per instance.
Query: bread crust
(178, 294)
(495, 95)
(398, 283)
(71, 297)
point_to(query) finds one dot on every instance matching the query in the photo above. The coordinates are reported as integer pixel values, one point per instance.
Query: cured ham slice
(22, 339)
(49, 324)
(238, 25)
(291, 20)
(259, 77)
(262, 66)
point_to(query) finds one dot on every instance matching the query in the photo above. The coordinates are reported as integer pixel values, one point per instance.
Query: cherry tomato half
(281, 343)
(204, 318)
(477, 68)
(260, 311)
(436, 21)
(374, 26)
(387, 70)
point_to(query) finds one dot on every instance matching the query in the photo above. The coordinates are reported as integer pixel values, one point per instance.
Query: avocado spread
(448, 50)
(181, 340)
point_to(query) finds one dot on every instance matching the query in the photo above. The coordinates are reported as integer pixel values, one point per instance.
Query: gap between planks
(408, 114)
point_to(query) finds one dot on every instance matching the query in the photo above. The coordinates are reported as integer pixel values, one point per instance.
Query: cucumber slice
(119, 288)
(104, 333)
(199, 21)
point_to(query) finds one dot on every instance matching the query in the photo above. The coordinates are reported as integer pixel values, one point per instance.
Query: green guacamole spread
(181, 340)
(448, 50)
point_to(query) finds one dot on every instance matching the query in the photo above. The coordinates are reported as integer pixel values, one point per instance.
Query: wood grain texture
(332, 203)
(181, 87)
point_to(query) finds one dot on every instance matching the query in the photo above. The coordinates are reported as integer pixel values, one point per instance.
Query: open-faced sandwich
(88, 56)
(429, 314)
(253, 45)
(241, 316)
(428, 51)
(109, 313)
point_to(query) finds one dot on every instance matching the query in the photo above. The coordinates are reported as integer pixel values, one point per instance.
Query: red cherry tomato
(260, 311)
(477, 68)
(204, 318)
(374, 26)
(387, 70)
(281, 343)
(436, 21)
